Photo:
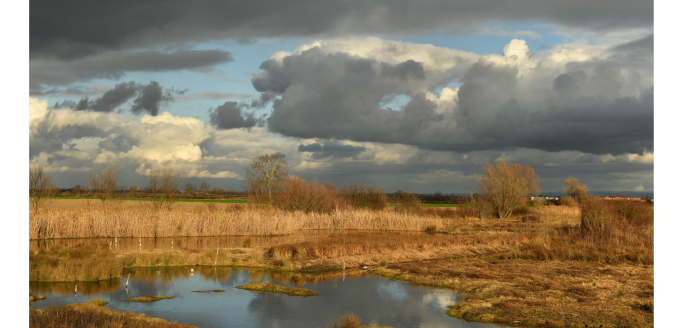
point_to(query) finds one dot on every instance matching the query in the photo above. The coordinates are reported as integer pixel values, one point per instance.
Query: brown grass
(553, 293)
(94, 316)
(206, 221)
(559, 211)
(350, 320)
(148, 299)
(278, 289)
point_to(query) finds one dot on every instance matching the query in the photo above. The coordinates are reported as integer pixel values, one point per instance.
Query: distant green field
(183, 200)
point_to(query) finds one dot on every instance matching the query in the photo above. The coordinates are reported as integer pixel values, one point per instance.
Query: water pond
(373, 299)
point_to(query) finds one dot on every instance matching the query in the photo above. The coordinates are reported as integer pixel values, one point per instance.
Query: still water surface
(373, 299)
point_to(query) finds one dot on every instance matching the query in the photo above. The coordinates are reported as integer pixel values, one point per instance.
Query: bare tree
(507, 186)
(266, 175)
(204, 187)
(164, 185)
(103, 181)
(190, 188)
(170, 184)
(39, 180)
(133, 191)
(573, 188)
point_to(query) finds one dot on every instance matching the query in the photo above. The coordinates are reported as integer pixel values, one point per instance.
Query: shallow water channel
(371, 298)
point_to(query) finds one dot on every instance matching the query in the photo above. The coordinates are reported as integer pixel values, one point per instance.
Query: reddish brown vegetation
(93, 316)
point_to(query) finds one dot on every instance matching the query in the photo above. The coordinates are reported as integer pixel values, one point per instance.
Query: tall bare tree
(163, 183)
(39, 180)
(575, 189)
(507, 186)
(103, 181)
(191, 189)
(204, 187)
(265, 175)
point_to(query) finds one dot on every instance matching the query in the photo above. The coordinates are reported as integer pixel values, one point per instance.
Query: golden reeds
(207, 221)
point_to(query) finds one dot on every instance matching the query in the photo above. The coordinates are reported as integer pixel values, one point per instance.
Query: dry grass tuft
(279, 289)
(148, 299)
(94, 316)
(350, 320)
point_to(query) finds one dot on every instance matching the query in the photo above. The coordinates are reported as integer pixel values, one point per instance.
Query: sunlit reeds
(211, 221)
(91, 315)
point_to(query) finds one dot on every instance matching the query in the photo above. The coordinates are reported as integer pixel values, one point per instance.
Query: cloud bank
(593, 99)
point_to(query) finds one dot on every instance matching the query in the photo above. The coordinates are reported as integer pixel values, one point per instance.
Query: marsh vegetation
(521, 262)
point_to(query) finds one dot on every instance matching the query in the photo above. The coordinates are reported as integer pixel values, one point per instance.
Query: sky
(414, 95)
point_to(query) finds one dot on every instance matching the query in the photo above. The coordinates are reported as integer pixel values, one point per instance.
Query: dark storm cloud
(51, 140)
(229, 116)
(331, 148)
(403, 71)
(78, 28)
(149, 99)
(51, 72)
(118, 143)
(108, 101)
(336, 95)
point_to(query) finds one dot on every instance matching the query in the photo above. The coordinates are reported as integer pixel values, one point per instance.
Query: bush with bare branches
(573, 188)
(364, 196)
(163, 183)
(297, 194)
(507, 186)
(265, 176)
(103, 181)
(39, 181)
(408, 201)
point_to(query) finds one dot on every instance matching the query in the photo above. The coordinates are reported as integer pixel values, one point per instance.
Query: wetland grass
(211, 221)
(148, 299)
(278, 289)
(90, 315)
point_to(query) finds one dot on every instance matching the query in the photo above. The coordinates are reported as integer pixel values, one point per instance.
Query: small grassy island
(147, 299)
(279, 289)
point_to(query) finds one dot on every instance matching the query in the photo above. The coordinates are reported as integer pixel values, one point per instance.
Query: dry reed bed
(211, 221)
(88, 315)
(554, 211)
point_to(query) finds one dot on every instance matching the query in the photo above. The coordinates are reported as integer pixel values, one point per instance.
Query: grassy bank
(93, 314)
(537, 293)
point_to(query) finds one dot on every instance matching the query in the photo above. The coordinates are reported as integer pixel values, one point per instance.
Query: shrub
(568, 201)
(596, 215)
(409, 202)
(636, 213)
(483, 207)
(430, 229)
(530, 218)
(365, 196)
(298, 195)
